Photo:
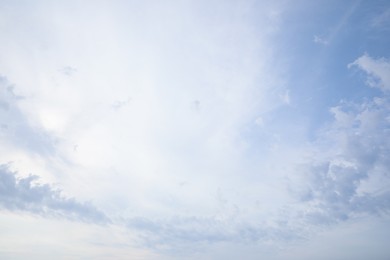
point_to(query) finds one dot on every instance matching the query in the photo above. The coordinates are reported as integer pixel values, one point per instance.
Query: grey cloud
(332, 194)
(20, 194)
(15, 127)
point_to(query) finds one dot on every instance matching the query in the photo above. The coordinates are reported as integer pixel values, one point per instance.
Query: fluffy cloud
(378, 71)
(349, 173)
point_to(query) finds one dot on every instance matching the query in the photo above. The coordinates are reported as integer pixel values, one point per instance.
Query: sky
(195, 129)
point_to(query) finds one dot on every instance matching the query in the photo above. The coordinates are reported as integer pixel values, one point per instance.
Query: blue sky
(194, 129)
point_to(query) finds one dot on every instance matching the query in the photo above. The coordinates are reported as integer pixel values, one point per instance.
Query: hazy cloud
(15, 127)
(191, 232)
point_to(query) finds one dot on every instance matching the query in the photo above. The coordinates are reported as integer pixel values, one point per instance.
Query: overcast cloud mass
(195, 129)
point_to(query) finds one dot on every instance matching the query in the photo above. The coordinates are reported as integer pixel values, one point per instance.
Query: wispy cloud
(16, 127)
(320, 40)
(342, 22)
(382, 20)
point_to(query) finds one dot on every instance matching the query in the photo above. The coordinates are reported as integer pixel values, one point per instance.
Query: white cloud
(342, 177)
(192, 72)
(378, 71)
(320, 40)
(149, 111)
(351, 156)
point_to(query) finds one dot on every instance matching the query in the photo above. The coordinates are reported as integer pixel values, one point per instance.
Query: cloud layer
(211, 130)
